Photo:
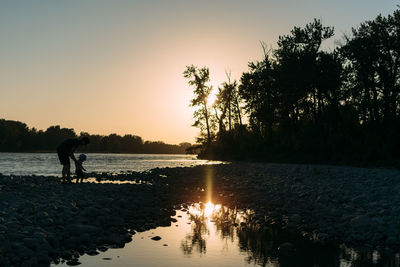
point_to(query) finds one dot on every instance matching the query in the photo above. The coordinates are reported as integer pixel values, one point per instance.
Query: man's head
(84, 140)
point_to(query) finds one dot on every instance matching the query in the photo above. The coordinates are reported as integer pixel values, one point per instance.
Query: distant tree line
(15, 136)
(303, 103)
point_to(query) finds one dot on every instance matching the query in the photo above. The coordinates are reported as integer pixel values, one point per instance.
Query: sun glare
(210, 208)
(213, 96)
(204, 210)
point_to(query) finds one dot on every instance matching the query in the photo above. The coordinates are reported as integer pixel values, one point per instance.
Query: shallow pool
(213, 235)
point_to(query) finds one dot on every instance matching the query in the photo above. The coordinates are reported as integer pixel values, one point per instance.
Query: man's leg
(63, 174)
(66, 175)
(68, 172)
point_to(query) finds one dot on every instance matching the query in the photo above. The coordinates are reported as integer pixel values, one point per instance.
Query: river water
(48, 164)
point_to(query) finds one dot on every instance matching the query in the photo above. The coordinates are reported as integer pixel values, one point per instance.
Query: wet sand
(43, 221)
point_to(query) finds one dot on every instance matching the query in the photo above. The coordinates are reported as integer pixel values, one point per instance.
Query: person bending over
(65, 150)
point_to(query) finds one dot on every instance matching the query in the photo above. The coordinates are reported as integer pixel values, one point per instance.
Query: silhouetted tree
(198, 79)
(373, 56)
(297, 72)
(303, 103)
(227, 109)
(258, 91)
(17, 137)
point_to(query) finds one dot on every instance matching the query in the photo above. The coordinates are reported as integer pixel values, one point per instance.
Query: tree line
(304, 103)
(16, 136)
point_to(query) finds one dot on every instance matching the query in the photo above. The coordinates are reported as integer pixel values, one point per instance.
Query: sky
(116, 66)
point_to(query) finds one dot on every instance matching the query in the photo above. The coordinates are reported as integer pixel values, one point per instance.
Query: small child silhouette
(79, 168)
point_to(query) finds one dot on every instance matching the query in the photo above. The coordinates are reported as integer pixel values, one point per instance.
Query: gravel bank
(43, 221)
(356, 206)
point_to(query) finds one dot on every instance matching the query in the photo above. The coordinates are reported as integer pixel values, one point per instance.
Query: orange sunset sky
(116, 66)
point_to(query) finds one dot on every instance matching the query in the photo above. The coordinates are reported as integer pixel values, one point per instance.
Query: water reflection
(195, 240)
(204, 234)
(201, 215)
(261, 244)
(230, 225)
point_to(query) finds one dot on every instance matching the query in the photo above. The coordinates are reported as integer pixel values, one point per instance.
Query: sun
(213, 96)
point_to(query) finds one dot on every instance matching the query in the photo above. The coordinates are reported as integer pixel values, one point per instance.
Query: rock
(156, 238)
(73, 262)
(92, 253)
(322, 238)
(114, 239)
(29, 229)
(85, 238)
(287, 249)
(296, 218)
(43, 257)
(80, 229)
(291, 227)
(359, 223)
(42, 215)
(102, 249)
(126, 237)
(46, 222)
(72, 242)
(27, 263)
(117, 221)
(92, 212)
(165, 222)
(31, 243)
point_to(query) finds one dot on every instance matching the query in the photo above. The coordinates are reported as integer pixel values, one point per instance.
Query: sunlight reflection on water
(207, 234)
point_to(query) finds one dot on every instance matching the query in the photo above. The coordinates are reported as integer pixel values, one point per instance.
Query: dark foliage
(304, 104)
(15, 136)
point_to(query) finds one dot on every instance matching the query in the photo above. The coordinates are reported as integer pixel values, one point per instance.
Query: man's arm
(72, 156)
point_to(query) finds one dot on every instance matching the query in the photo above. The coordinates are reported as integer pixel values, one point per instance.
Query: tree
(198, 79)
(260, 96)
(304, 103)
(227, 108)
(373, 57)
(15, 136)
(297, 72)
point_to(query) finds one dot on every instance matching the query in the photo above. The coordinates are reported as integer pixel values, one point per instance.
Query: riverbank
(356, 206)
(43, 221)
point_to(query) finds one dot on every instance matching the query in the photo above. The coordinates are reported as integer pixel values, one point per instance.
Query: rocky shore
(325, 204)
(43, 221)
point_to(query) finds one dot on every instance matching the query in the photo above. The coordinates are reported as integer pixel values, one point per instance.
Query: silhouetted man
(65, 151)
